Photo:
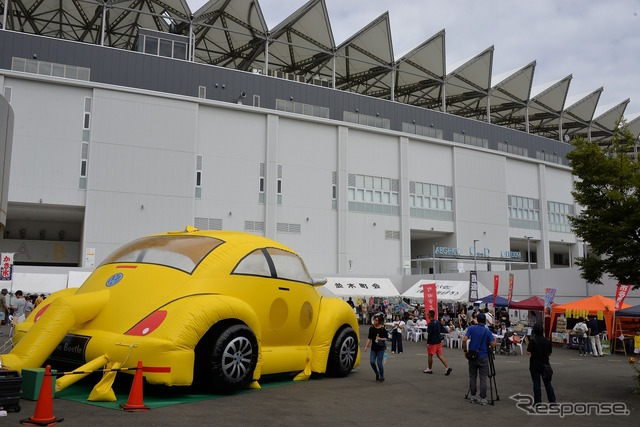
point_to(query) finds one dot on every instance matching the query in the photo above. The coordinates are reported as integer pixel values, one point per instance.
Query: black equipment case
(10, 388)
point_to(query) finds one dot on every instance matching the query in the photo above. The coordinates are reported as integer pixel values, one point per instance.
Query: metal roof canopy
(234, 34)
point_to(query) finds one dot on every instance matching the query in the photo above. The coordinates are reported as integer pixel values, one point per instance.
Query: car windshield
(175, 251)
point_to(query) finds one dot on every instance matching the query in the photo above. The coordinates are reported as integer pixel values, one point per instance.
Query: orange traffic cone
(43, 415)
(135, 402)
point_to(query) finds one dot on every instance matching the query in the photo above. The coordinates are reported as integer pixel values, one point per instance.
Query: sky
(597, 42)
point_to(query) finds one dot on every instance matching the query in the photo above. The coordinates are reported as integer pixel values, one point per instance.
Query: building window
(50, 69)
(470, 140)
(261, 184)
(334, 190)
(512, 149)
(84, 145)
(373, 194)
(431, 201)
(558, 215)
(429, 131)
(548, 157)
(364, 119)
(300, 108)
(524, 212)
(198, 177)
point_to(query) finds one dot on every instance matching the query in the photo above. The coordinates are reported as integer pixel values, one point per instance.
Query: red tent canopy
(531, 303)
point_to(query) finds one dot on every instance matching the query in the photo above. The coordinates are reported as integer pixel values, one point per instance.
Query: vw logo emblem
(113, 280)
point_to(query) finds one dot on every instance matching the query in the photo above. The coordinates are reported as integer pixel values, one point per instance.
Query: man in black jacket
(594, 336)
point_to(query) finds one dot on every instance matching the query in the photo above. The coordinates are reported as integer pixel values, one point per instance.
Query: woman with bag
(539, 349)
(377, 340)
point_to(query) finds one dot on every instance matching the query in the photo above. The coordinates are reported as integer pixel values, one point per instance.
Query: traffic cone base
(43, 415)
(135, 402)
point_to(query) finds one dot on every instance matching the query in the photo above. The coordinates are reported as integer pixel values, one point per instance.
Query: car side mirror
(319, 281)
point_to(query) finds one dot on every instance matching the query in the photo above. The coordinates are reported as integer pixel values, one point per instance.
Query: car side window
(272, 262)
(254, 264)
(289, 266)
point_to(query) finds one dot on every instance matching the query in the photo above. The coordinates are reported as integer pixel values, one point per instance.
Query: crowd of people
(20, 306)
(480, 327)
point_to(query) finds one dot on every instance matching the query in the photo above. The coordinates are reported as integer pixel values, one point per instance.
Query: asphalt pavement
(408, 397)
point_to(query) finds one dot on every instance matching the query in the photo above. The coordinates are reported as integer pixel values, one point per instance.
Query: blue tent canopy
(500, 301)
(629, 312)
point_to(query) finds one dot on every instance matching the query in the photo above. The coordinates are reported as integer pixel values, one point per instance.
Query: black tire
(343, 353)
(230, 358)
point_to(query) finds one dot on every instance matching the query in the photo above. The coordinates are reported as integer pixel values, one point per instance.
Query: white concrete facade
(145, 150)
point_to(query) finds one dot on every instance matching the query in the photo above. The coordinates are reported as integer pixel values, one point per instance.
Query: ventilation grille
(392, 235)
(284, 227)
(87, 105)
(253, 226)
(208, 223)
(7, 94)
(202, 92)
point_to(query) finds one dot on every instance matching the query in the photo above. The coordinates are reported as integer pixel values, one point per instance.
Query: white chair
(414, 333)
(519, 345)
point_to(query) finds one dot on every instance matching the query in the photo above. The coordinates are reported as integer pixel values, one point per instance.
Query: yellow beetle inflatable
(218, 309)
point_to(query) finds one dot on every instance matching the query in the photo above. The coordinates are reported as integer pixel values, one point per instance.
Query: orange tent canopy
(593, 305)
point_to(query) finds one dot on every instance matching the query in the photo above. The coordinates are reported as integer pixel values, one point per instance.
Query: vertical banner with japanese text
(496, 284)
(621, 294)
(549, 294)
(430, 298)
(6, 268)
(473, 287)
(510, 294)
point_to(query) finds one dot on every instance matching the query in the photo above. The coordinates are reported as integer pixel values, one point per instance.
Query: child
(636, 342)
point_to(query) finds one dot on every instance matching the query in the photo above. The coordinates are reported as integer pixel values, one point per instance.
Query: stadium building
(126, 118)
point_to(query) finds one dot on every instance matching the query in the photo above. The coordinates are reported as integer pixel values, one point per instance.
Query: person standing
(377, 339)
(580, 331)
(594, 336)
(3, 306)
(19, 306)
(636, 342)
(434, 344)
(539, 349)
(481, 340)
(396, 335)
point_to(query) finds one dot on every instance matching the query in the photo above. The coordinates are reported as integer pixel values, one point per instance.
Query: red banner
(430, 298)
(510, 295)
(6, 268)
(621, 294)
(496, 283)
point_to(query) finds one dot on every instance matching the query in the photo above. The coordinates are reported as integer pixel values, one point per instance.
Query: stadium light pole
(434, 259)
(475, 255)
(529, 260)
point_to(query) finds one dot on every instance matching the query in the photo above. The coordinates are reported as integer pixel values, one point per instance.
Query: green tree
(606, 189)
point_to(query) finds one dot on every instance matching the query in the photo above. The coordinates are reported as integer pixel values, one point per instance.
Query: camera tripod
(491, 377)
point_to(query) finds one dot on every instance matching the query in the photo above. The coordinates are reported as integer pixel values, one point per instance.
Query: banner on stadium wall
(6, 268)
(430, 298)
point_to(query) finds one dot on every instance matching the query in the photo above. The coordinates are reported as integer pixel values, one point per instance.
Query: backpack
(579, 331)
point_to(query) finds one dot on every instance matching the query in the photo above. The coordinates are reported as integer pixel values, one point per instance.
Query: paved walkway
(407, 397)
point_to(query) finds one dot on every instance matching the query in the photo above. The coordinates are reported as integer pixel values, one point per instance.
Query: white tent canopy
(360, 287)
(446, 290)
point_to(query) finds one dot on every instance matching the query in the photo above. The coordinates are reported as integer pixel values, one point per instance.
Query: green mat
(154, 396)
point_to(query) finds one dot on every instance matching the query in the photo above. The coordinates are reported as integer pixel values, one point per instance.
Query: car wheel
(230, 359)
(343, 353)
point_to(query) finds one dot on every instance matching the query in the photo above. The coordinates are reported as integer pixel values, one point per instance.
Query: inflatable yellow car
(214, 308)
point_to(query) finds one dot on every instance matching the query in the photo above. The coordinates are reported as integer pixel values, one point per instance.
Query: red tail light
(148, 324)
